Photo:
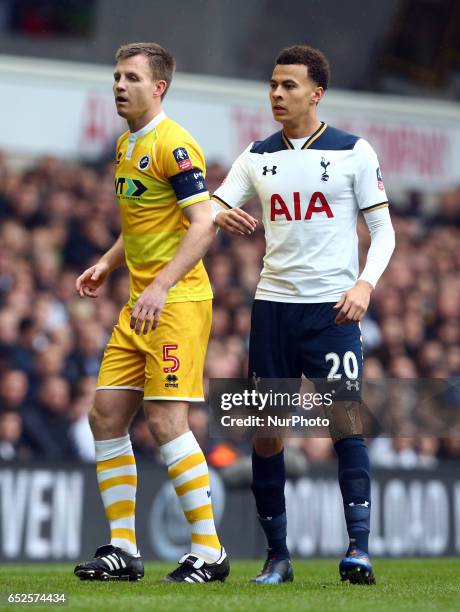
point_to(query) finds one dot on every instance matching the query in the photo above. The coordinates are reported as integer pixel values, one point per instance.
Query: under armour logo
(272, 170)
(325, 164)
(352, 384)
(172, 378)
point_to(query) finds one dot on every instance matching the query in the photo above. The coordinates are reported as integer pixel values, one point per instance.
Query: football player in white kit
(312, 181)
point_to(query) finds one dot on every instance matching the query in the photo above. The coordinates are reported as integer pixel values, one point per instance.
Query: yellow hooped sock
(188, 472)
(117, 479)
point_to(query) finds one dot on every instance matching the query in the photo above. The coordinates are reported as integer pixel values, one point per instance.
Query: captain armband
(188, 185)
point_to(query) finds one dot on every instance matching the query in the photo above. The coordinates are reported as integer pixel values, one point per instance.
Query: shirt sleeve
(368, 182)
(237, 187)
(382, 244)
(183, 165)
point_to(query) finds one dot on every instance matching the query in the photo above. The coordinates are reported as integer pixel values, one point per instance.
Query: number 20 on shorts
(169, 357)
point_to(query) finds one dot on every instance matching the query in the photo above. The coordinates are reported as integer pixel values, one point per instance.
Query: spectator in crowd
(47, 425)
(12, 444)
(14, 387)
(56, 217)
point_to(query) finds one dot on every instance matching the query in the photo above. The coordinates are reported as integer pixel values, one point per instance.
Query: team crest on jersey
(380, 184)
(144, 162)
(325, 164)
(182, 159)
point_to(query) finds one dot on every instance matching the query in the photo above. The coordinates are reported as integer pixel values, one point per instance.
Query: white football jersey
(310, 200)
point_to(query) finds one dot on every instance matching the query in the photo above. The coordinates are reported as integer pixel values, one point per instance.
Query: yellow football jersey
(160, 170)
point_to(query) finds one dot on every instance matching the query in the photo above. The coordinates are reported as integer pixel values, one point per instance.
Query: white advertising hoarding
(67, 110)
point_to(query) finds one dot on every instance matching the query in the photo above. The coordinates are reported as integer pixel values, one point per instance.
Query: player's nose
(120, 85)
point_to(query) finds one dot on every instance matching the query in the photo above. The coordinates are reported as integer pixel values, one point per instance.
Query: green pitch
(415, 584)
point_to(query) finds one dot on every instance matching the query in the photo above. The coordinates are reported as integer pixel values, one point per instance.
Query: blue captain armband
(188, 185)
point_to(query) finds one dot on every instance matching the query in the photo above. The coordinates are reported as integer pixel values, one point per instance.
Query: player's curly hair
(314, 59)
(162, 63)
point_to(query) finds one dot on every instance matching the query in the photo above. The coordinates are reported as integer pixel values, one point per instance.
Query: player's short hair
(162, 63)
(316, 62)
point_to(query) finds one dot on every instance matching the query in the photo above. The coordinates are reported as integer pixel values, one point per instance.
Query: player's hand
(236, 221)
(353, 303)
(89, 282)
(147, 309)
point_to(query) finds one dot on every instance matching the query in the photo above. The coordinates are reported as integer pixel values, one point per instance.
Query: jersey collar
(310, 140)
(149, 127)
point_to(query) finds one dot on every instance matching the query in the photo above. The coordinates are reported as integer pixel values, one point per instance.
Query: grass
(409, 584)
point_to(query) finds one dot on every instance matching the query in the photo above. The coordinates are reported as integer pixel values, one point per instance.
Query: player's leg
(174, 377)
(272, 355)
(333, 356)
(117, 399)
(188, 472)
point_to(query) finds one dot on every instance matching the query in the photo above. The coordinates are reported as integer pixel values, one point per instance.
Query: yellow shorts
(168, 362)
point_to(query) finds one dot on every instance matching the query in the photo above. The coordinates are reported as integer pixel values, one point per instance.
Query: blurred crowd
(57, 218)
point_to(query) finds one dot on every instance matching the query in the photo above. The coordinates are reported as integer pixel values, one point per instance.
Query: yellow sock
(188, 472)
(117, 479)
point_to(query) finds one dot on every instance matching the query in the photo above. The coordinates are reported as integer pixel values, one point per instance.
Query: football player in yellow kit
(157, 349)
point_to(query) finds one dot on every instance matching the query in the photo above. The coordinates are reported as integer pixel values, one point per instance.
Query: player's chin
(122, 111)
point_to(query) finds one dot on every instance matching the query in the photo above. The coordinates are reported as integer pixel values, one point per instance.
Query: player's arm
(354, 303)
(234, 192)
(92, 278)
(201, 232)
(372, 201)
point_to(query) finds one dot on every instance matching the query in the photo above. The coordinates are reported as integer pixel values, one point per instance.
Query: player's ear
(159, 88)
(317, 94)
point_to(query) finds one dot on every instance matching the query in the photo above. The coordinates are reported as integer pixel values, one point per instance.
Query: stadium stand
(57, 217)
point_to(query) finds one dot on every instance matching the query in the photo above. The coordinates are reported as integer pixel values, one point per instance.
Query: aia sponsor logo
(295, 211)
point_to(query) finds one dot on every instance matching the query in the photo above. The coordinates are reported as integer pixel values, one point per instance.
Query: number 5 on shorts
(167, 348)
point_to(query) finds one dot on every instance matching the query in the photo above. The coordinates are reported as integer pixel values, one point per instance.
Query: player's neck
(139, 122)
(301, 128)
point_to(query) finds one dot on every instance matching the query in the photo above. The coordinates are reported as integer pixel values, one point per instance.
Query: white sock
(117, 479)
(188, 472)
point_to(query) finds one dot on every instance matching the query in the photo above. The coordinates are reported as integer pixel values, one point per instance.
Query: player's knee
(154, 422)
(96, 420)
(345, 420)
(104, 423)
(267, 447)
(166, 420)
(164, 428)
